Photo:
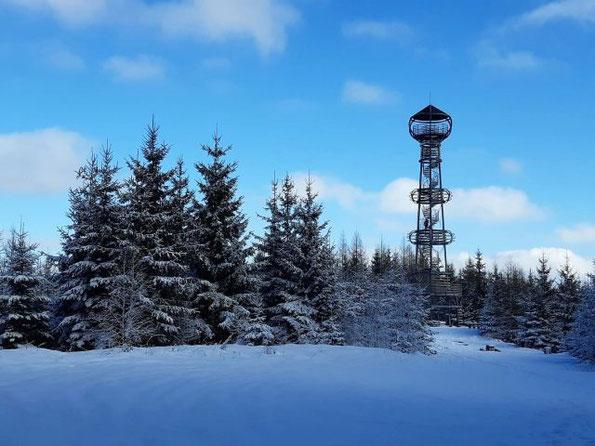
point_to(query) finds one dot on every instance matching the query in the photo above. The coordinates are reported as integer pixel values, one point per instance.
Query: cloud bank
(264, 22)
(42, 161)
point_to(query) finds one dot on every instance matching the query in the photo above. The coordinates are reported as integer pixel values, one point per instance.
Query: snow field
(297, 395)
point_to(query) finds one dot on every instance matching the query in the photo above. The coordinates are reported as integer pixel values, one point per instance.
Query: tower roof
(430, 113)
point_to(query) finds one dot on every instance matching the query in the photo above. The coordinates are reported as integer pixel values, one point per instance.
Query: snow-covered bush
(388, 313)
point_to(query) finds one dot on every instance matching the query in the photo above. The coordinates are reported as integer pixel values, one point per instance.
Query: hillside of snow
(297, 395)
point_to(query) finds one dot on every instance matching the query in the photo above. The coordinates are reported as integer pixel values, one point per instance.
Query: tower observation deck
(430, 126)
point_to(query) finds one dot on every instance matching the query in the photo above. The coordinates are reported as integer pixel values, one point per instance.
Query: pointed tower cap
(430, 113)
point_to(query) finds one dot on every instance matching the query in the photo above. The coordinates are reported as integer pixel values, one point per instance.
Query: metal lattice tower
(430, 127)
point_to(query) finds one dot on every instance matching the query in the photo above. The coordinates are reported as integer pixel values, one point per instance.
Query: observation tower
(430, 126)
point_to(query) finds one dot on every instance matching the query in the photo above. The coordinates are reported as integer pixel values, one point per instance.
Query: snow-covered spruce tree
(474, 280)
(219, 243)
(515, 287)
(535, 330)
(318, 275)
(181, 200)
(91, 249)
(342, 255)
(268, 262)
(467, 276)
(24, 318)
(493, 307)
(351, 289)
(382, 260)
(151, 240)
(277, 261)
(568, 299)
(357, 264)
(581, 339)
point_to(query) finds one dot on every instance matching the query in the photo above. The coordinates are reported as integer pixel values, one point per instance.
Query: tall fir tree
(512, 304)
(318, 275)
(219, 243)
(278, 259)
(494, 305)
(581, 338)
(475, 287)
(382, 261)
(467, 279)
(24, 317)
(152, 240)
(357, 264)
(91, 249)
(108, 227)
(268, 265)
(536, 330)
(342, 254)
(568, 299)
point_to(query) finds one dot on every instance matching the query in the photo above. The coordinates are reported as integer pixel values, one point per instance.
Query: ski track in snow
(300, 395)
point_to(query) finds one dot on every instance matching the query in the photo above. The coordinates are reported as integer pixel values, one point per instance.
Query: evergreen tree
(382, 261)
(467, 278)
(474, 281)
(180, 201)
(279, 256)
(91, 247)
(568, 299)
(494, 305)
(581, 339)
(536, 330)
(152, 240)
(219, 247)
(342, 260)
(24, 318)
(108, 227)
(269, 267)
(512, 306)
(357, 265)
(317, 269)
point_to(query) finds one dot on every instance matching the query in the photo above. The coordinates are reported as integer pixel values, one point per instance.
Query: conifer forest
(297, 223)
(152, 260)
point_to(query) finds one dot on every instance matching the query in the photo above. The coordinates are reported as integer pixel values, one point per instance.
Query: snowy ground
(300, 395)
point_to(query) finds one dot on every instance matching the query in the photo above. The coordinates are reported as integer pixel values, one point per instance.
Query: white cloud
(140, 68)
(393, 30)
(357, 92)
(41, 161)
(65, 59)
(512, 60)
(493, 204)
(582, 11)
(331, 189)
(71, 12)
(510, 166)
(394, 198)
(265, 22)
(487, 204)
(580, 233)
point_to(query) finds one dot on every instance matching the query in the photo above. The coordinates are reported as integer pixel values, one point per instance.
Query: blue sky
(325, 86)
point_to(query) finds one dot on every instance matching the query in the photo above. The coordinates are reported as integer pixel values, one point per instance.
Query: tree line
(531, 309)
(152, 261)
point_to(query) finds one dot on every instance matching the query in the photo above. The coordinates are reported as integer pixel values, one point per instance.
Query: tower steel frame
(430, 127)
